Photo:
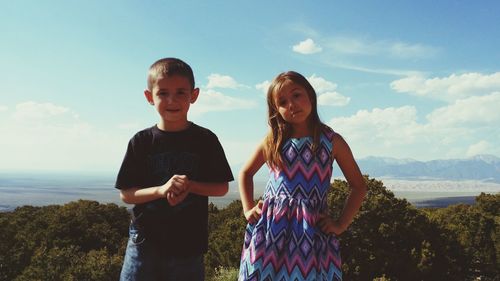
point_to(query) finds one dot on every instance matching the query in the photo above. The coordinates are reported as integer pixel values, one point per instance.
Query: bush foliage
(388, 240)
(81, 240)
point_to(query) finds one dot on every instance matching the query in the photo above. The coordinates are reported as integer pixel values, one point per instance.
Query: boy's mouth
(173, 110)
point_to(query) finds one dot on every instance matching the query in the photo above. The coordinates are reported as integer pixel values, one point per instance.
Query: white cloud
(405, 50)
(221, 81)
(326, 92)
(333, 98)
(394, 49)
(3, 108)
(324, 89)
(264, 86)
(32, 111)
(385, 127)
(396, 131)
(389, 131)
(307, 47)
(480, 147)
(469, 111)
(338, 51)
(348, 45)
(320, 84)
(449, 88)
(47, 136)
(210, 100)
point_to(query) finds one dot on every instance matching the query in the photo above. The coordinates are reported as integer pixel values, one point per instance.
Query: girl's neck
(299, 131)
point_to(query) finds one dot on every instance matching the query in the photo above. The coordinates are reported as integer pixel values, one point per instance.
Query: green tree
(63, 242)
(477, 228)
(226, 233)
(388, 240)
(389, 237)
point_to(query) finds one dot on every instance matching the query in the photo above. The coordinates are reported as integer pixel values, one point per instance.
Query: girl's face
(293, 103)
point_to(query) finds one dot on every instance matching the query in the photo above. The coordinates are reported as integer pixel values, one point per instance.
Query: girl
(289, 235)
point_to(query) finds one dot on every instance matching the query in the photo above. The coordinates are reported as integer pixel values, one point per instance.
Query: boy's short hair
(168, 67)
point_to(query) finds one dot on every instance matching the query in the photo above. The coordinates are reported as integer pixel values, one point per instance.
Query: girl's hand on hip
(253, 215)
(328, 225)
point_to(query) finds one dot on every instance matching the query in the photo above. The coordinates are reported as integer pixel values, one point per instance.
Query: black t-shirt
(153, 156)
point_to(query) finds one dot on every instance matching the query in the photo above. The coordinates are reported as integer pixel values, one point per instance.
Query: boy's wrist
(159, 192)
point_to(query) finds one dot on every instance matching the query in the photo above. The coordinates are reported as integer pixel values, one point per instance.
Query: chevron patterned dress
(285, 243)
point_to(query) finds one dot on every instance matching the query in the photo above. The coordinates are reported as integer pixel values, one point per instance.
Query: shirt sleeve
(132, 168)
(215, 167)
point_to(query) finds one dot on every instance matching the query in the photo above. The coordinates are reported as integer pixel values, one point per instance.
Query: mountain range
(479, 167)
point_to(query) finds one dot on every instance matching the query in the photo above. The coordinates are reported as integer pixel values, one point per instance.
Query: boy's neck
(173, 126)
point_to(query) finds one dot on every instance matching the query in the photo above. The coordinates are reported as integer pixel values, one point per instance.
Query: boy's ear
(194, 94)
(149, 96)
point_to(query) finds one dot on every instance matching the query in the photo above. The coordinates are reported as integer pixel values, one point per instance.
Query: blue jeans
(143, 261)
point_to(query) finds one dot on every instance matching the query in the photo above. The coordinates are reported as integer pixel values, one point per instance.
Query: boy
(168, 172)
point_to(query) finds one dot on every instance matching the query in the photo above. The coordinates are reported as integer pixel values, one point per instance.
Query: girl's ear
(194, 94)
(149, 96)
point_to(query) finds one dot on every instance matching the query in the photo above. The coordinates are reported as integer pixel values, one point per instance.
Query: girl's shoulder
(333, 138)
(328, 132)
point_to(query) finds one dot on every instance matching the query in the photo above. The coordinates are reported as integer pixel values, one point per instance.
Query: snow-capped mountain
(480, 167)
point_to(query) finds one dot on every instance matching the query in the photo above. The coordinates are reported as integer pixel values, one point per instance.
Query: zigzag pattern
(285, 243)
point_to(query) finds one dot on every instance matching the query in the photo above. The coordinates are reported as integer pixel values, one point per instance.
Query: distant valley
(481, 168)
(417, 181)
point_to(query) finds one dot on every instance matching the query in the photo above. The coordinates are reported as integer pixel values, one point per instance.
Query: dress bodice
(305, 175)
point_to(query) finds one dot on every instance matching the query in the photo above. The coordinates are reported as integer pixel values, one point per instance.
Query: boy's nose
(169, 99)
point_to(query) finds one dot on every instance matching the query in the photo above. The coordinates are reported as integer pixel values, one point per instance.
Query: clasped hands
(175, 189)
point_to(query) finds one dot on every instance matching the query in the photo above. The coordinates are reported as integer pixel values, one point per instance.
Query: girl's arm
(343, 155)
(246, 185)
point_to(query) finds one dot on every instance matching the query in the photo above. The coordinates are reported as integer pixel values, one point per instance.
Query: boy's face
(171, 97)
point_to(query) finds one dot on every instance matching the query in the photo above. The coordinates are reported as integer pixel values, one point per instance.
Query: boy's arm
(215, 173)
(208, 188)
(177, 184)
(139, 195)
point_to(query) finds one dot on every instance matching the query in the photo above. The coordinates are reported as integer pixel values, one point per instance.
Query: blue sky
(403, 79)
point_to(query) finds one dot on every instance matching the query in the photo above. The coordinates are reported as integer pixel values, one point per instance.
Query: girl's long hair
(280, 130)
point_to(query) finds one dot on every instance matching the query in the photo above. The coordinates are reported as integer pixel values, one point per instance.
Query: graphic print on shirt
(168, 164)
(165, 165)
